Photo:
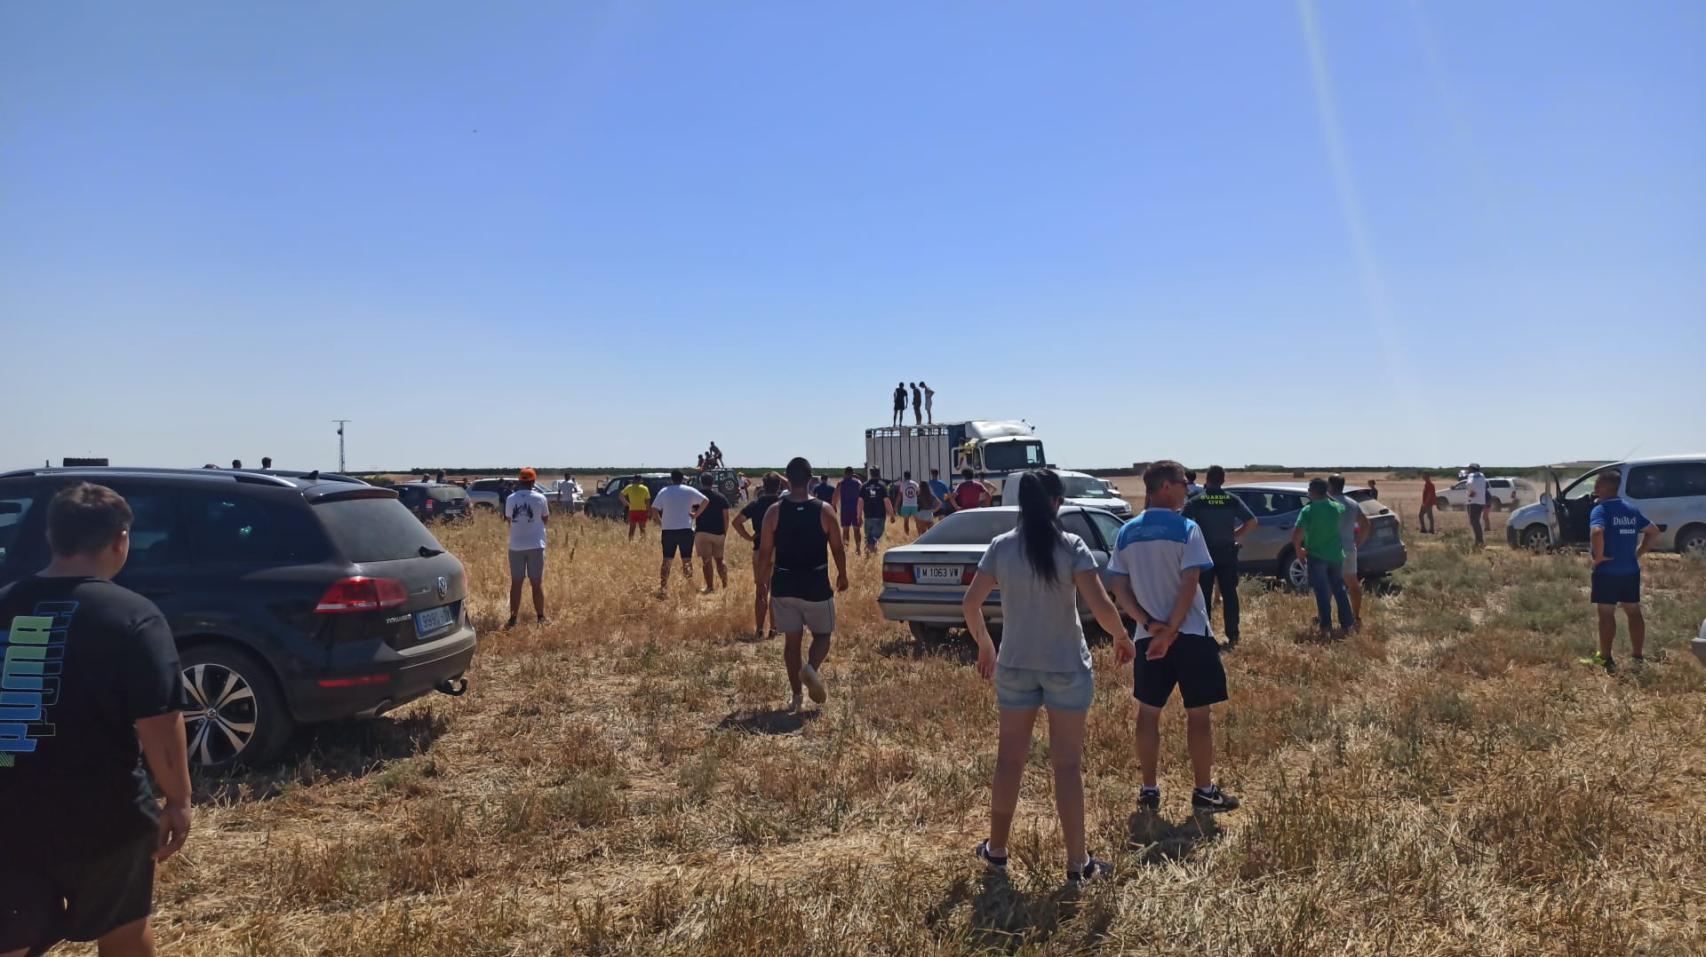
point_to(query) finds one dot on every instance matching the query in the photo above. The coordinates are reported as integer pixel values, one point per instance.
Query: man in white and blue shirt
(1158, 559)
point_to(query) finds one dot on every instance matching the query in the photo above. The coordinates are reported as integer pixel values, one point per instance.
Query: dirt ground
(625, 781)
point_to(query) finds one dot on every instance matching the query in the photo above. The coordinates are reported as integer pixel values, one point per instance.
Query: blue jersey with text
(1622, 524)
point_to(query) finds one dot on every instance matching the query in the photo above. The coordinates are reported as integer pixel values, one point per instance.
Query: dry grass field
(1451, 781)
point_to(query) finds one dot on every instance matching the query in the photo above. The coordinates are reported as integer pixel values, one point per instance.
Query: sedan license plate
(434, 619)
(937, 574)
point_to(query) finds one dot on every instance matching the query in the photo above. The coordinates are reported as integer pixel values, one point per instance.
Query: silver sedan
(925, 581)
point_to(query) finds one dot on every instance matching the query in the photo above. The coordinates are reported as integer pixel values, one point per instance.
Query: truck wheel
(927, 635)
(1691, 541)
(236, 712)
(1536, 538)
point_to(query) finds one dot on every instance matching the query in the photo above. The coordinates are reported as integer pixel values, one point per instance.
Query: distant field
(621, 782)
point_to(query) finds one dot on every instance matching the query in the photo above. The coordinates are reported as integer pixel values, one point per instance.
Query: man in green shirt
(1317, 542)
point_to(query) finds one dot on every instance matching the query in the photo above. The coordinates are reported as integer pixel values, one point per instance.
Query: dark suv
(607, 501)
(293, 599)
(432, 502)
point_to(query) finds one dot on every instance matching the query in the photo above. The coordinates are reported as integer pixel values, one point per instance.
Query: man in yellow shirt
(638, 499)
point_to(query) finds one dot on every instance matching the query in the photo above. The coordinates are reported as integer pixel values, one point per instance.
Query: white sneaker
(813, 682)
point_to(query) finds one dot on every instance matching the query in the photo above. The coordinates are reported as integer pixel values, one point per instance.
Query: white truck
(992, 448)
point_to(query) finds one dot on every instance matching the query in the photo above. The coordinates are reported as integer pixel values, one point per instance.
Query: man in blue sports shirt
(1620, 536)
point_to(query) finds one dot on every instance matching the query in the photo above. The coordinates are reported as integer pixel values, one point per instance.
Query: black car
(608, 503)
(432, 502)
(292, 599)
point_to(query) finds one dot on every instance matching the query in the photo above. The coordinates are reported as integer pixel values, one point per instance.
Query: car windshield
(977, 526)
(1083, 486)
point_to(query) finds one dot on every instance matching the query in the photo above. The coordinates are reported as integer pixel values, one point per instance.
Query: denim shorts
(1055, 690)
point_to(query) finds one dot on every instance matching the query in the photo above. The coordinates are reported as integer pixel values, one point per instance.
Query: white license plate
(937, 574)
(434, 619)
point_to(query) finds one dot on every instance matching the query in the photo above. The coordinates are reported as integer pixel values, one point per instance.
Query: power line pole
(341, 423)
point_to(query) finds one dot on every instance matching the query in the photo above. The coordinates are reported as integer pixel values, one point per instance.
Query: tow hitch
(454, 687)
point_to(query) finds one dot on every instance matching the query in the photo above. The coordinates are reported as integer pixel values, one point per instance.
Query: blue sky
(605, 233)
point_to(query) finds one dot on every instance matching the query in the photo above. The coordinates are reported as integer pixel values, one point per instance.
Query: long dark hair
(1039, 526)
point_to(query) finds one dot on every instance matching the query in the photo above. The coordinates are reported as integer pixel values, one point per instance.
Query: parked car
(1504, 490)
(606, 503)
(1081, 489)
(488, 493)
(925, 581)
(432, 502)
(292, 600)
(1267, 550)
(1670, 490)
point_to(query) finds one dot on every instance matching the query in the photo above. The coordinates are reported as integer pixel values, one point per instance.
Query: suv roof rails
(95, 471)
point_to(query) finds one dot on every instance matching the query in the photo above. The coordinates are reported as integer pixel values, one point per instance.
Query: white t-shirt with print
(526, 510)
(909, 493)
(675, 503)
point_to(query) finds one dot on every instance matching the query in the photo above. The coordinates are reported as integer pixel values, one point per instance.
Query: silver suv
(1670, 490)
(1267, 550)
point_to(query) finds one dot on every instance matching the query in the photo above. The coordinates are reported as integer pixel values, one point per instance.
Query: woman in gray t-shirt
(1044, 661)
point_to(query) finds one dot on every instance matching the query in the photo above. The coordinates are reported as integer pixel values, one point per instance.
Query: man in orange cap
(526, 511)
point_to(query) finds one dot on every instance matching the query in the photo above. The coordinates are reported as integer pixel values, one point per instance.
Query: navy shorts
(1616, 588)
(1192, 663)
(48, 898)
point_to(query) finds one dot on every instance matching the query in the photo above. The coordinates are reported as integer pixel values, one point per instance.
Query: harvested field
(1451, 781)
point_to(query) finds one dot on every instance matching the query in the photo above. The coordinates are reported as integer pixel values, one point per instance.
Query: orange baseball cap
(528, 475)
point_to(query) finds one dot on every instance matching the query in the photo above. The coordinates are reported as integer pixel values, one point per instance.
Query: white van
(1670, 490)
(1081, 489)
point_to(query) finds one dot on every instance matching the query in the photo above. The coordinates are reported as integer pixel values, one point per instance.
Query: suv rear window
(374, 529)
(13, 507)
(447, 494)
(237, 528)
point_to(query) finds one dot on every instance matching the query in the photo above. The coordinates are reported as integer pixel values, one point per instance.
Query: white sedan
(1507, 492)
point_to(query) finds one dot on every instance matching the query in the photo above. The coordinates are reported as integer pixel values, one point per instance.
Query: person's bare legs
(791, 659)
(1637, 628)
(1012, 748)
(1608, 628)
(1066, 757)
(1199, 729)
(722, 571)
(819, 650)
(515, 597)
(760, 604)
(538, 600)
(135, 939)
(663, 576)
(705, 566)
(1148, 742)
(1353, 584)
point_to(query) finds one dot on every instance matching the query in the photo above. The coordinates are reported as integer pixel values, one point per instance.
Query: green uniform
(1319, 521)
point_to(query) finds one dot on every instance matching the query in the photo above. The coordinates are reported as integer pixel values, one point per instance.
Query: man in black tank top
(799, 535)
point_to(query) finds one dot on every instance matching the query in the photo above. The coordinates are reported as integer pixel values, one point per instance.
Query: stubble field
(622, 781)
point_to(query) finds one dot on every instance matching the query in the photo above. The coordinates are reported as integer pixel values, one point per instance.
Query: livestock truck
(993, 448)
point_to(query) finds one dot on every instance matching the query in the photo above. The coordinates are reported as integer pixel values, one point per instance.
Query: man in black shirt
(799, 535)
(875, 508)
(752, 517)
(710, 530)
(1224, 519)
(92, 687)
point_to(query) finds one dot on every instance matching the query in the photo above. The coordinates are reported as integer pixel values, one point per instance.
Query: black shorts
(1192, 663)
(52, 898)
(677, 540)
(1616, 588)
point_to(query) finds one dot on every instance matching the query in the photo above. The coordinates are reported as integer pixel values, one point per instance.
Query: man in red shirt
(971, 493)
(1425, 520)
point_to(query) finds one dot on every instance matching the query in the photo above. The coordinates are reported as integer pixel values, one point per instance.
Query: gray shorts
(1056, 690)
(794, 615)
(529, 562)
(1350, 561)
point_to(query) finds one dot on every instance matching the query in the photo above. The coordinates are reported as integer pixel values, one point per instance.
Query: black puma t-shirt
(84, 660)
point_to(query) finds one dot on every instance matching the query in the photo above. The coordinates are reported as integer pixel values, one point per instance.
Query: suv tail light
(897, 574)
(361, 594)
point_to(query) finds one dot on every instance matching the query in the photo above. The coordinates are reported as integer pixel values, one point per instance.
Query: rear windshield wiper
(428, 551)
